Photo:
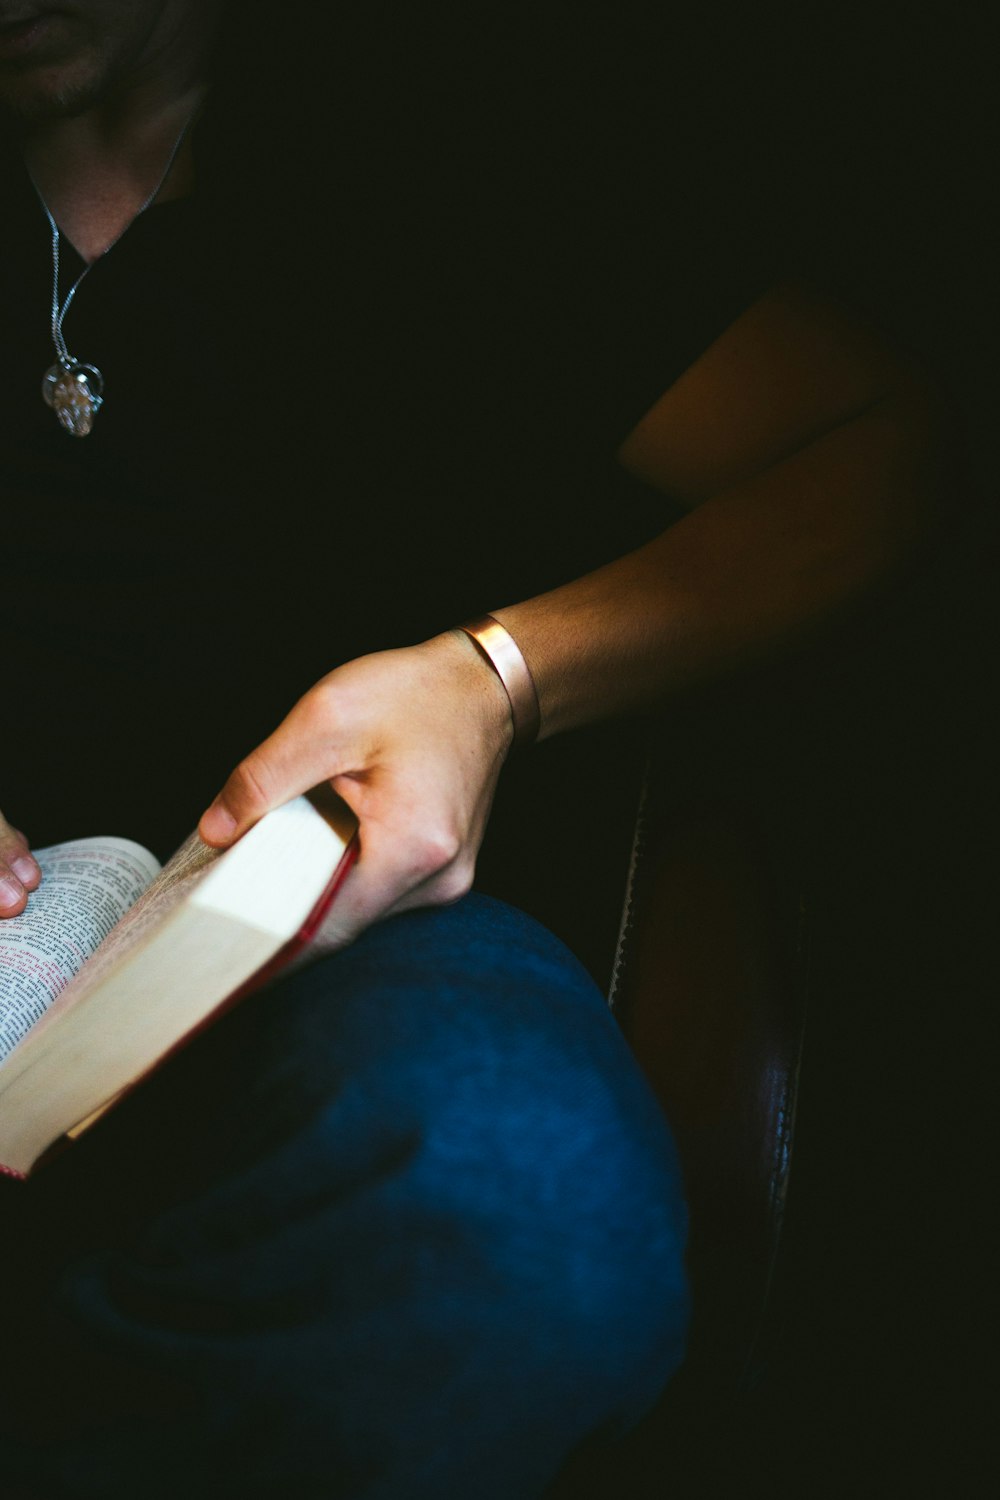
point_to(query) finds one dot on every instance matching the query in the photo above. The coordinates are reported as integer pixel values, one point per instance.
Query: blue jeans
(406, 1224)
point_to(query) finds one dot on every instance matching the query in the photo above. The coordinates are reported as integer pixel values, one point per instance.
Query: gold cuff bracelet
(504, 656)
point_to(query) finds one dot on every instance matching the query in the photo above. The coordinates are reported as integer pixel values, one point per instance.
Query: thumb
(287, 763)
(19, 872)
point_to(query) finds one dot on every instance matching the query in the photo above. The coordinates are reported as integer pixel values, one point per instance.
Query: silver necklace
(73, 388)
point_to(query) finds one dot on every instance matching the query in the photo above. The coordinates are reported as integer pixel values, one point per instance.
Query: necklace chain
(59, 310)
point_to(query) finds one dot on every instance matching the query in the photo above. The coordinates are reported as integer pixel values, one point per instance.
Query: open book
(114, 963)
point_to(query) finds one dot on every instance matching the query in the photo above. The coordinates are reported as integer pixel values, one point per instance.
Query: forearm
(750, 570)
(808, 462)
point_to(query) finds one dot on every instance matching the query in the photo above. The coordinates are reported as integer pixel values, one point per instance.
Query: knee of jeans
(505, 1144)
(479, 1144)
(540, 1158)
(560, 1185)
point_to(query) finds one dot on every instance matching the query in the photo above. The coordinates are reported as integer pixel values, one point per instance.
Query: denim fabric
(406, 1224)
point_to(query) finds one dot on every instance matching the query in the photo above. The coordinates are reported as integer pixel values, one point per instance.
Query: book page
(306, 847)
(182, 872)
(87, 886)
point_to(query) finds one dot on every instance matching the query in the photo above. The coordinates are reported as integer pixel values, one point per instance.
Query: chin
(50, 93)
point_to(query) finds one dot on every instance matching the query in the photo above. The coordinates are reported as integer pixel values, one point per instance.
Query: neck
(95, 168)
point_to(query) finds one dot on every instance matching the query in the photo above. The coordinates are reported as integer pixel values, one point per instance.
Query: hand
(413, 740)
(19, 873)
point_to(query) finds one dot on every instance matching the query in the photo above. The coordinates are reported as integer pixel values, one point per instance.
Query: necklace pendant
(75, 393)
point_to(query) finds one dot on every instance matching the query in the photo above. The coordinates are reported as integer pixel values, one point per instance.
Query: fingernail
(10, 892)
(218, 825)
(25, 868)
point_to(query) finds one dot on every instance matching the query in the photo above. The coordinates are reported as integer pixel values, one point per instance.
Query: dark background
(856, 145)
(872, 135)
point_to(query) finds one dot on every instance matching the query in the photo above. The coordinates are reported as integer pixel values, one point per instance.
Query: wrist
(480, 691)
(501, 653)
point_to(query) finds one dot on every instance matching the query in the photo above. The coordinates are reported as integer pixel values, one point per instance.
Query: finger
(13, 896)
(391, 877)
(19, 871)
(381, 876)
(444, 889)
(295, 758)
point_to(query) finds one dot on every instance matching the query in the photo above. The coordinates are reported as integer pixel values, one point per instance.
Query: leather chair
(709, 983)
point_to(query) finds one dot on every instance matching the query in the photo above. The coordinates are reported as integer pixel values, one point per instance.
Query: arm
(804, 453)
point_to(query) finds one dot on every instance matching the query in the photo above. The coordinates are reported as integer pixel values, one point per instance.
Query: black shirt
(393, 308)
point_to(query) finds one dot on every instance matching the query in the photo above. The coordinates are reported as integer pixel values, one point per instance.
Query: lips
(24, 20)
(20, 35)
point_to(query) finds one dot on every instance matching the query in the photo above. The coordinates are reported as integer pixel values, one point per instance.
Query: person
(353, 351)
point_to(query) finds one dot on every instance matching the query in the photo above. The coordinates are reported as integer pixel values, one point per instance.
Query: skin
(109, 56)
(99, 101)
(805, 452)
(802, 495)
